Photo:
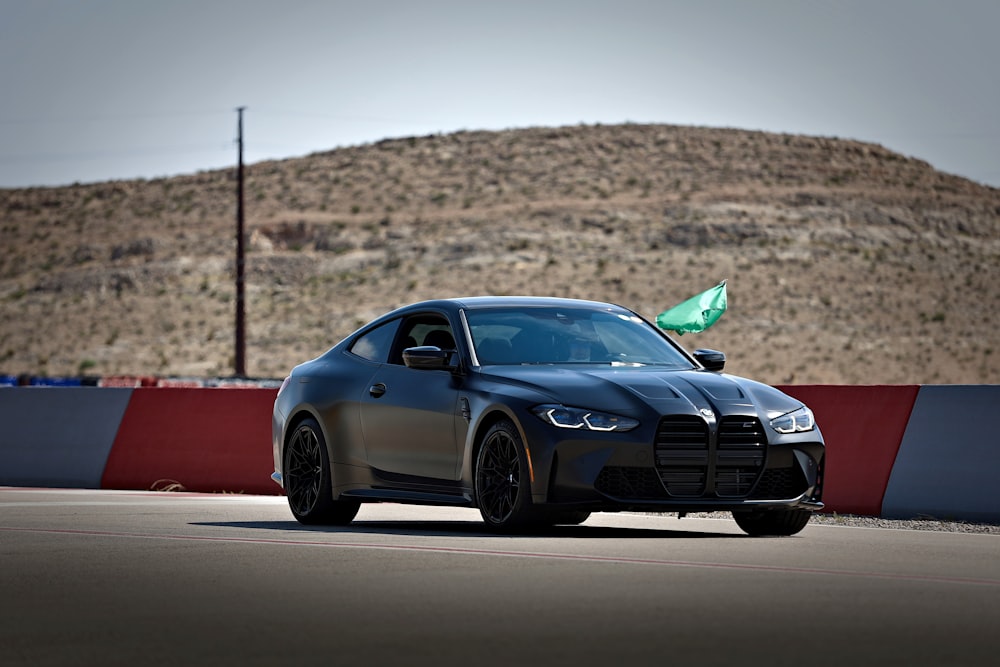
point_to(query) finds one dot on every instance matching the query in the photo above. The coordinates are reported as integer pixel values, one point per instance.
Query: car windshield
(553, 335)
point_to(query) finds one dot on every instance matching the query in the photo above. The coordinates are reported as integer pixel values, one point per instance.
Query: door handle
(376, 390)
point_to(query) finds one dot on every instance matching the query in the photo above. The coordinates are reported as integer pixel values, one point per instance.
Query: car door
(408, 416)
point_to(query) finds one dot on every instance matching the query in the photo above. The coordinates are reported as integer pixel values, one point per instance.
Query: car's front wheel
(779, 523)
(308, 481)
(503, 490)
(564, 517)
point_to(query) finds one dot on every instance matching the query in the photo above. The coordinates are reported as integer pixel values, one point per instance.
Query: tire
(565, 517)
(502, 485)
(778, 523)
(308, 481)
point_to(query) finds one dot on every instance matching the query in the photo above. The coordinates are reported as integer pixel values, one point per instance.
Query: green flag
(697, 313)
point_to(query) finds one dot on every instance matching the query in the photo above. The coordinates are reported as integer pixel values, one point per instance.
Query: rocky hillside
(847, 263)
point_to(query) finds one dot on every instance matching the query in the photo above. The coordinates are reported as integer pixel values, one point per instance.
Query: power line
(59, 120)
(150, 151)
(349, 117)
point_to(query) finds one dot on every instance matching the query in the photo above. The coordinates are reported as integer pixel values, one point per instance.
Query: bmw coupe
(539, 411)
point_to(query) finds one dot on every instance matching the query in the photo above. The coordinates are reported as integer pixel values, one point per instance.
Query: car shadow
(469, 529)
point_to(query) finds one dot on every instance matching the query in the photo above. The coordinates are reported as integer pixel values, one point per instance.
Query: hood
(617, 389)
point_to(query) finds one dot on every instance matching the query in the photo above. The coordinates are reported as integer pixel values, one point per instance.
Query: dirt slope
(847, 263)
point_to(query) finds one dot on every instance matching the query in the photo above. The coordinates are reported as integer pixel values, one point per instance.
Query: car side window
(377, 343)
(423, 330)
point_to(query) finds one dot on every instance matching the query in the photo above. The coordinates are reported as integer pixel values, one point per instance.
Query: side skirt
(385, 486)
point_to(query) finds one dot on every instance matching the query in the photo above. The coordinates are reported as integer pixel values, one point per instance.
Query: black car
(539, 411)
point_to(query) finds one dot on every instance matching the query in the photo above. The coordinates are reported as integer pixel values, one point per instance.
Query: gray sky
(111, 89)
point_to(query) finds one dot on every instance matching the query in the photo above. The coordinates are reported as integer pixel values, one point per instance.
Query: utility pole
(241, 344)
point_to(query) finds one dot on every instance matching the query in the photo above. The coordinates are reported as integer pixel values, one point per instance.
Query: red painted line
(620, 560)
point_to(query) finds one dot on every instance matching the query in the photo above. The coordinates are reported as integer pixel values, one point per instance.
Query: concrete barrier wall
(862, 426)
(199, 439)
(894, 451)
(949, 458)
(58, 437)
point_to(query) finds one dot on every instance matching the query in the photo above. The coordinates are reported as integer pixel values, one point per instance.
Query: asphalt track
(135, 578)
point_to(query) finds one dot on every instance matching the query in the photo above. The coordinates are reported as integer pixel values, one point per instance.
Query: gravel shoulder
(928, 523)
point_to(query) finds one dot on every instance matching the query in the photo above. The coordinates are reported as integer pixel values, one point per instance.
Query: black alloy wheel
(503, 492)
(308, 482)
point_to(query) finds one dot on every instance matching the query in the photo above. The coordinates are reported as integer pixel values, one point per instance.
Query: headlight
(796, 421)
(588, 420)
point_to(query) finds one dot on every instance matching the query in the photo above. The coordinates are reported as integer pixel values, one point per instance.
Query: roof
(528, 301)
(477, 302)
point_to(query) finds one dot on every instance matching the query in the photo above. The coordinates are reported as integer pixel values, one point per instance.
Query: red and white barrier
(863, 427)
(949, 456)
(58, 436)
(194, 439)
(894, 451)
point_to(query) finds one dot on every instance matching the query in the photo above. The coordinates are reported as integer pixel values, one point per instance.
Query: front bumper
(684, 466)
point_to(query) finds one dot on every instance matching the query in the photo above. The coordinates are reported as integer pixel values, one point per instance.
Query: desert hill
(847, 263)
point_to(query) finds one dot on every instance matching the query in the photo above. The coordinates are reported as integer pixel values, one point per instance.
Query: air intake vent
(681, 451)
(740, 454)
(630, 483)
(780, 484)
(684, 453)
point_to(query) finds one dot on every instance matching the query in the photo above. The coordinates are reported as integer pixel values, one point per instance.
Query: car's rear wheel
(308, 480)
(503, 489)
(782, 522)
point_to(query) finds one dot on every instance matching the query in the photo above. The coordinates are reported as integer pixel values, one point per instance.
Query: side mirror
(430, 358)
(712, 360)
